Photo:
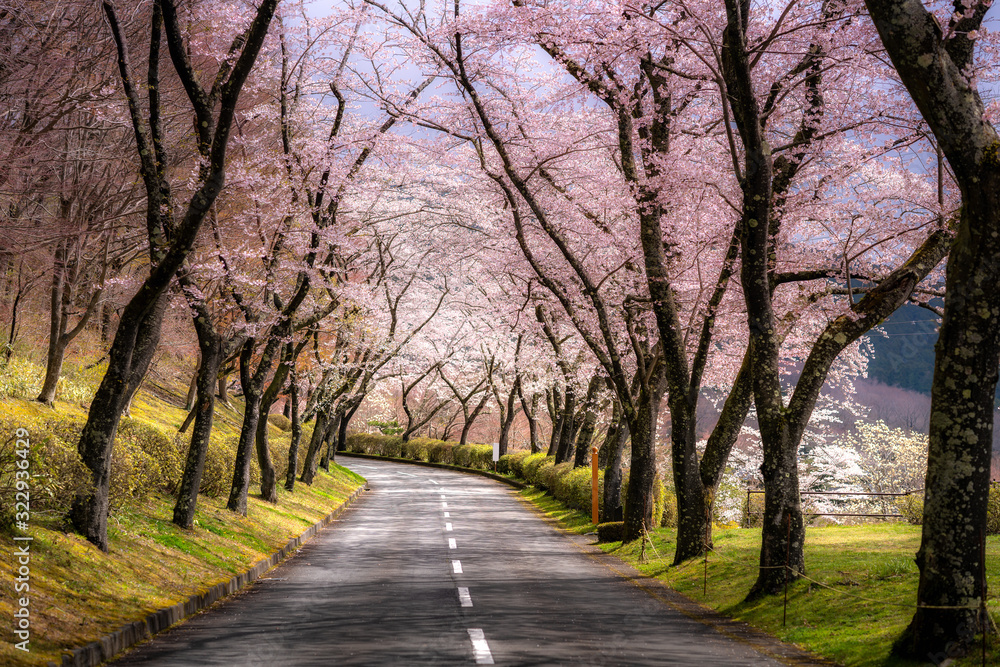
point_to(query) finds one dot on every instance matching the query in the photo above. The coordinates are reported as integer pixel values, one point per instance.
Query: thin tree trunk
(293, 447)
(529, 414)
(211, 356)
(128, 361)
(612, 449)
(331, 440)
(638, 514)
(315, 442)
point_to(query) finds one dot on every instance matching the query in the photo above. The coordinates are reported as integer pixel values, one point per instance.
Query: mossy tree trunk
(211, 346)
(934, 70)
(293, 446)
(315, 442)
(611, 453)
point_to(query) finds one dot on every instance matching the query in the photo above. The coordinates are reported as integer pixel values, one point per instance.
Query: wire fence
(987, 623)
(751, 514)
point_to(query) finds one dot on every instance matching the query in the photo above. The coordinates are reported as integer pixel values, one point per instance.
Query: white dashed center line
(480, 648)
(447, 515)
(433, 482)
(456, 566)
(444, 505)
(464, 597)
(451, 543)
(444, 497)
(447, 527)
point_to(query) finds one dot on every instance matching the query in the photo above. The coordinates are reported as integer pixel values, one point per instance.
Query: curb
(447, 466)
(131, 634)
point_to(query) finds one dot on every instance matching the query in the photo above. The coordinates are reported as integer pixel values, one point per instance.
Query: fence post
(788, 552)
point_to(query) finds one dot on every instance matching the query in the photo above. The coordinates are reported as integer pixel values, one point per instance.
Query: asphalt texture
(434, 567)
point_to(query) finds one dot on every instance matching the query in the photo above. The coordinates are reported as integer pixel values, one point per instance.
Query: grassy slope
(79, 594)
(869, 570)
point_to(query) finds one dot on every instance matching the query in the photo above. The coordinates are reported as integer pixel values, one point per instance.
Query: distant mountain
(901, 354)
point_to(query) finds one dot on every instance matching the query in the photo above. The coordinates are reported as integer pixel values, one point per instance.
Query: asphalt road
(434, 567)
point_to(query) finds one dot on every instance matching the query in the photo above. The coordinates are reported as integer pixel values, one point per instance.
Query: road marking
(433, 482)
(406, 474)
(464, 597)
(447, 527)
(444, 505)
(480, 649)
(444, 497)
(447, 515)
(451, 543)
(456, 566)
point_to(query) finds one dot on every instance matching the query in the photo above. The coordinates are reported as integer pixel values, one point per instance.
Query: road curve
(434, 567)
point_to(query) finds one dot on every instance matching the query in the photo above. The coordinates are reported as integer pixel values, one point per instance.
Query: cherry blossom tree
(170, 240)
(935, 55)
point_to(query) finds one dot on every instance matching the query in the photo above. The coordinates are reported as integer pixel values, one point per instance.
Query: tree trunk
(935, 72)
(268, 475)
(293, 447)
(529, 414)
(613, 447)
(638, 515)
(783, 530)
(187, 496)
(332, 439)
(584, 438)
(315, 442)
(192, 394)
(131, 353)
(556, 416)
(345, 422)
(53, 369)
(570, 426)
(224, 388)
(240, 488)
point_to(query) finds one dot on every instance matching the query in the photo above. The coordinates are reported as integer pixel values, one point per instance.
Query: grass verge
(79, 594)
(862, 598)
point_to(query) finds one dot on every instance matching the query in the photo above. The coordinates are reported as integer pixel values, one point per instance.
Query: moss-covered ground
(78, 594)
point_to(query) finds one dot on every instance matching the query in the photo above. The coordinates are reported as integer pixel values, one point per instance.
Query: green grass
(79, 594)
(862, 598)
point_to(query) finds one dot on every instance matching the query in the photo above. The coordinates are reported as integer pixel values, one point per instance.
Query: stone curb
(447, 466)
(129, 635)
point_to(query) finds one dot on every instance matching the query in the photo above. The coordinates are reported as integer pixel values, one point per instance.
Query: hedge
(566, 483)
(145, 459)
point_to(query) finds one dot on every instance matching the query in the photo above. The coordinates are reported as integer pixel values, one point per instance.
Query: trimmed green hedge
(568, 484)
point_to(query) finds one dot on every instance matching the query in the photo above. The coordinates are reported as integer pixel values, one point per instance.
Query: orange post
(593, 484)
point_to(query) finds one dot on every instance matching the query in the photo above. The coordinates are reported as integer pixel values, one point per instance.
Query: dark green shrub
(531, 465)
(613, 531)
(669, 516)
(474, 456)
(549, 474)
(418, 449)
(440, 452)
(573, 487)
(144, 459)
(55, 471)
(513, 463)
(217, 477)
